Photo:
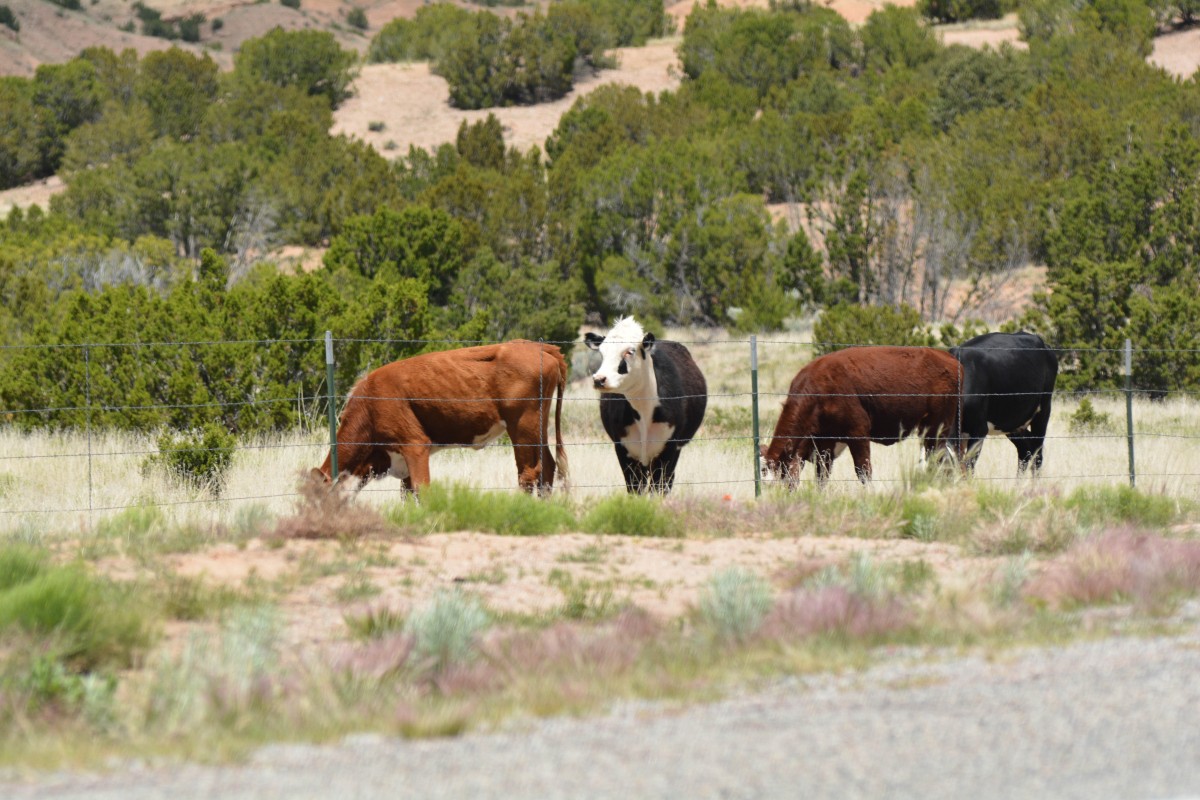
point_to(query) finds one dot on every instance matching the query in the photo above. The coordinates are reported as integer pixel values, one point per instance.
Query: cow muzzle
(599, 381)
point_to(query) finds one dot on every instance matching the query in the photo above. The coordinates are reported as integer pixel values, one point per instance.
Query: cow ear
(592, 340)
(647, 344)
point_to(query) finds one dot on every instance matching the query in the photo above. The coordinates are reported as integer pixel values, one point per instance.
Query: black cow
(652, 401)
(1008, 383)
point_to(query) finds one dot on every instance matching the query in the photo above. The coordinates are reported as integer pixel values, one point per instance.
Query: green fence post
(1129, 409)
(754, 413)
(333, 465)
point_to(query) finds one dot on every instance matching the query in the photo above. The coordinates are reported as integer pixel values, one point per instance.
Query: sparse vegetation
(446, 631)
(734, 603)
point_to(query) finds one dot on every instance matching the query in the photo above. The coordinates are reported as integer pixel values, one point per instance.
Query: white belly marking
(657, 435)
(493, 433)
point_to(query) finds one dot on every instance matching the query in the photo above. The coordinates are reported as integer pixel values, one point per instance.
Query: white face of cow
(626, 367)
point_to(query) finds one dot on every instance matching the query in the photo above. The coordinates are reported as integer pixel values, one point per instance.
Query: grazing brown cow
(852, 397)
(399, 414)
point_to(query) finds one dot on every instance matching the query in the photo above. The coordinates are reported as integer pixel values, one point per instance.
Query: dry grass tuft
(325, 512)
(1146, 568)
(833, 610)
(606, 649)
(375, 660)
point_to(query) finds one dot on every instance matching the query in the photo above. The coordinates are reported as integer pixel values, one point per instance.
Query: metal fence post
(87, 395)
(754, 413)
(333, 464)
(1129, 408)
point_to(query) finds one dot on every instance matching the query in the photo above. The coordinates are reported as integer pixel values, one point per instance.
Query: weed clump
(632, 515)
(446, 631)
(223, 679)
(329, 512)
(734, 603)
(1099, 505)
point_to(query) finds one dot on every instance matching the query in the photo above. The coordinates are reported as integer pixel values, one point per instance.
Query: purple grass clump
(1124, 564)
(833, 609)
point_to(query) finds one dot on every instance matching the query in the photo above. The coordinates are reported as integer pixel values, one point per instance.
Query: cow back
(455, 397)
(900, 389)
(1008, 373)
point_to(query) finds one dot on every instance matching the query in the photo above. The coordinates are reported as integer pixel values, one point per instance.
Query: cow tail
(560, 452)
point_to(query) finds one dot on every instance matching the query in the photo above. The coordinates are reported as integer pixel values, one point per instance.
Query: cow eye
(629, 352)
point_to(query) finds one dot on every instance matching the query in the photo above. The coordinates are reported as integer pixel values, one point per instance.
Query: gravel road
(1112, 719)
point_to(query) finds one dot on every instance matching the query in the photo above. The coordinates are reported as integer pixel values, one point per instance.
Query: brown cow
(852, 397)
(399, 414)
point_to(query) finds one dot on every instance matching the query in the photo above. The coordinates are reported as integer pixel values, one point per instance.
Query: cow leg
(860, 451)
(637, 476)
(416, 456)
(663, 476)
(975, 430)
(531, 449)
(940, 451)
(1030, 441)
(823, 460)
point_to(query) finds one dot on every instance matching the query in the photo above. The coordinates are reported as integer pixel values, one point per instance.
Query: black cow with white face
(652, 401)
(1008, 383)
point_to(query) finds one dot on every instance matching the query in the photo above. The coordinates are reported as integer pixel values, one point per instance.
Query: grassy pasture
(48, 482)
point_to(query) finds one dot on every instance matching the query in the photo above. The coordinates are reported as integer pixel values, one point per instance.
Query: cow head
(626, 366)
(782, 463)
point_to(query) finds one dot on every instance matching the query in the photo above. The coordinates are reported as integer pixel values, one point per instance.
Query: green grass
(375, 623)
(91, 622)
(1108, 504)
(460, 508)
(189, 598)
(632, 515)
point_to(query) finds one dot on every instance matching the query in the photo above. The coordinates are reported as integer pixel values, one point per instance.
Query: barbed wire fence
(744, 438)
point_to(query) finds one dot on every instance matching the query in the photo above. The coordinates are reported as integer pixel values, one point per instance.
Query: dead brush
(1126, 564)
(327, 512)
(1036, 525)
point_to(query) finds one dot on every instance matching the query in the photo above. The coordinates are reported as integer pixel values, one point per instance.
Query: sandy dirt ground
(513, 573)
(414, 107)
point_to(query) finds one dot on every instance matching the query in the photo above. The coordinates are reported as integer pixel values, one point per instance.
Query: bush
(290, 3)
(845, 325)
(632, 515)
(9, 19)
(427, 36)
(357, 18)
(200, 458)
(958, 10)
(189, 27)
(734, 602)
(446, 631)
(1086, 419)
